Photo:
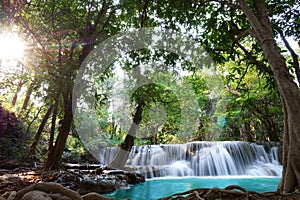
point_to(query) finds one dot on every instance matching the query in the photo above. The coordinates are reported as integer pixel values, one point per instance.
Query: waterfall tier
(200, 159)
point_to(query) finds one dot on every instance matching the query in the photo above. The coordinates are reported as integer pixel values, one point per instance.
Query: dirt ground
(15, 180)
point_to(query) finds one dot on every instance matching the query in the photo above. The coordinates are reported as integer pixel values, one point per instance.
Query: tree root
(55, 191)
(229, 193)
(49, 187)
(94, 196)
(58, 192)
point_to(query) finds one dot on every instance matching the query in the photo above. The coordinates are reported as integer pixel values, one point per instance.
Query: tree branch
(254, 21)
(144, 13)
(293, 54)
(243, 75)
(101, 13)
(242, 35)
(263, 15)
(232, 91)
(109, 17)
(254, 61)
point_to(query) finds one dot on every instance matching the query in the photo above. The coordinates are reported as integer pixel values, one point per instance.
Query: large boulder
(98, 186)
(134, 178)
(108, 181)
(125, 176)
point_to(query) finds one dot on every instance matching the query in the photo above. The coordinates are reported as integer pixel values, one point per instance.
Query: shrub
(12, 138)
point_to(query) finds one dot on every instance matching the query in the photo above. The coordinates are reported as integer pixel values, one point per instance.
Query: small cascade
(274, 155)
(200, 159)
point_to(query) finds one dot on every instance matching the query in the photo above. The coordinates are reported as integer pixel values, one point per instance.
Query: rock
(81, 166)
(95, 196)
(36, 195)
(128, 176)
(134, 178)
(65, 178)
(113, 172)
(100, 186)
(109, 181)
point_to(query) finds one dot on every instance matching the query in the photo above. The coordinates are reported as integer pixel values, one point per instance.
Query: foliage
(161, 115)
(253, 103)
(13, 140)
(74, 151)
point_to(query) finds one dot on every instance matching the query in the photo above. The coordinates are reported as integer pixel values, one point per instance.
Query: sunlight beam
(11, 47)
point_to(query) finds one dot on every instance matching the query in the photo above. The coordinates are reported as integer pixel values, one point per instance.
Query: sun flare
(11, 47)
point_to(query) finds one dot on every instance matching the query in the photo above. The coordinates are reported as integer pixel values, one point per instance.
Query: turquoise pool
(162, 187)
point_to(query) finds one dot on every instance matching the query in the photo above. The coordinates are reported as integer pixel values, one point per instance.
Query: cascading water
(200, 159)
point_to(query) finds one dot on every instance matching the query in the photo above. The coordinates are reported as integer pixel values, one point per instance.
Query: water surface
(162, 187)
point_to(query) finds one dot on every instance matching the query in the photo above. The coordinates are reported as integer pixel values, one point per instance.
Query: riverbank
(66, 184)
(14, 178)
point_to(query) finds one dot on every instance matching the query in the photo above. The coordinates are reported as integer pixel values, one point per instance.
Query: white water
(200, 159)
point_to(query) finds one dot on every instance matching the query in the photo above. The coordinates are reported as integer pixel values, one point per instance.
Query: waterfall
(200, 159)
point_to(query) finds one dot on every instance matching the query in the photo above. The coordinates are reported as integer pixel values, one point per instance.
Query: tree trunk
(291, 140)
(31, 122)
(125, 148)
(39, 131)
(27, 96)
(26, 100)
(19, 87)
(55, 154)
(53, 124)
(290, 95)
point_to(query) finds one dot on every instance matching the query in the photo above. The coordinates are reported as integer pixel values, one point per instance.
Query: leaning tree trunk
(289, 92)
(55, 153)
(125, 148)
(291, 103)
(53, 124)
(27, 96)
(19, 87)
(39, 131)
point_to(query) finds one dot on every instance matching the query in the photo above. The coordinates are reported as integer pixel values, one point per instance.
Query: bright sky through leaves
(11, 47)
